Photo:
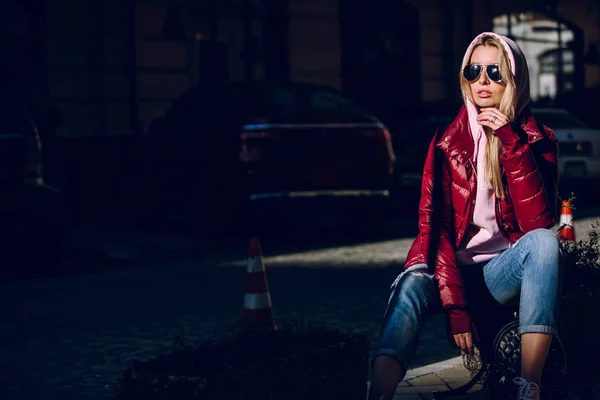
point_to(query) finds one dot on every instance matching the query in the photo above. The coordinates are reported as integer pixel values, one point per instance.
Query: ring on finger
(494, 118)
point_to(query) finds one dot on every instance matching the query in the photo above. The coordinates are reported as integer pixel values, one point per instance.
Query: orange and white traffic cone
(566, 231)
(258, 309)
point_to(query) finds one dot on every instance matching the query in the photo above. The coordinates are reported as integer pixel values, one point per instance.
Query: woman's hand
(465, 342)
(492, 118)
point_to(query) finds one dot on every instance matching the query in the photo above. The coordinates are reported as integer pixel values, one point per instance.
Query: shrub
(290, 363)
(579, 324)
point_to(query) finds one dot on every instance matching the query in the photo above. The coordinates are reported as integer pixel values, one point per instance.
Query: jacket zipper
(471, 206)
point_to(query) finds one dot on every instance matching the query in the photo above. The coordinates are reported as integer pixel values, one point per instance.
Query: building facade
(112, 66)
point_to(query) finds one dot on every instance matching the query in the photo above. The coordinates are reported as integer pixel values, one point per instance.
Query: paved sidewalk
(420, 383)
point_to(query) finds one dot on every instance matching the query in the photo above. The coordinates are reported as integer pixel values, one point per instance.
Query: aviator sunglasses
(472, 72)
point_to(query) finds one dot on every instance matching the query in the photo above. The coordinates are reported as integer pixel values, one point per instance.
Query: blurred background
(210, 113)
(157, 135)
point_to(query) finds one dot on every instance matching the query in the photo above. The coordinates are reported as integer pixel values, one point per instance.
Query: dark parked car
(276, 149)
(412, 131)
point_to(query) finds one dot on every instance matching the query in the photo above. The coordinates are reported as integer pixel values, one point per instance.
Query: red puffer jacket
(531, 178)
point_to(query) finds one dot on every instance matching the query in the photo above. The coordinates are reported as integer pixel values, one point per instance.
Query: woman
(499, 182)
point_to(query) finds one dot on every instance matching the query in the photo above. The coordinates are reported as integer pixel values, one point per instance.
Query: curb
(432, 368)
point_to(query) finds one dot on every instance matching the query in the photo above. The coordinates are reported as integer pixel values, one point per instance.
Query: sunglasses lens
(471, 72)
(493, 72)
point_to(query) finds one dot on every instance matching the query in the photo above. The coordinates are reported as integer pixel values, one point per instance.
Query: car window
(291, 99)
(556, 120)
(247, 100)
(283, 97)
(253, 100)
(325, 100)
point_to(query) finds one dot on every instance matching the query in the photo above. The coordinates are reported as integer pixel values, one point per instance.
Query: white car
(578, 145)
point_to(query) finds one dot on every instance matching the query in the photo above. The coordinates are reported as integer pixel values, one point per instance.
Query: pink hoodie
(483, 240)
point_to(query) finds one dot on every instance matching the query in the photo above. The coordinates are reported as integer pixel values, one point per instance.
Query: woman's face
(486, 92)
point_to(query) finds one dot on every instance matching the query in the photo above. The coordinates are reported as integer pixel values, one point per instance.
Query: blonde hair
(493, 150)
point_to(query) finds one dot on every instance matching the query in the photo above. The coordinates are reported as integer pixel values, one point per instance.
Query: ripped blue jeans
(529, 274)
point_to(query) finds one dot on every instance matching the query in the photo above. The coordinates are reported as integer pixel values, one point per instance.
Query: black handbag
(506, 365)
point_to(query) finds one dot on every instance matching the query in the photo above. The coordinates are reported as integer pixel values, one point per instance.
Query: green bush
(579, 323)
(290, 363)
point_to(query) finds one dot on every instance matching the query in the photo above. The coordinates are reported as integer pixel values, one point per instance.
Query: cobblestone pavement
(447, 377)
(422, 387)
(127, 295)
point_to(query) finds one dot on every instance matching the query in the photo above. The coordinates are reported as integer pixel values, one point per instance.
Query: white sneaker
(526, 390)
